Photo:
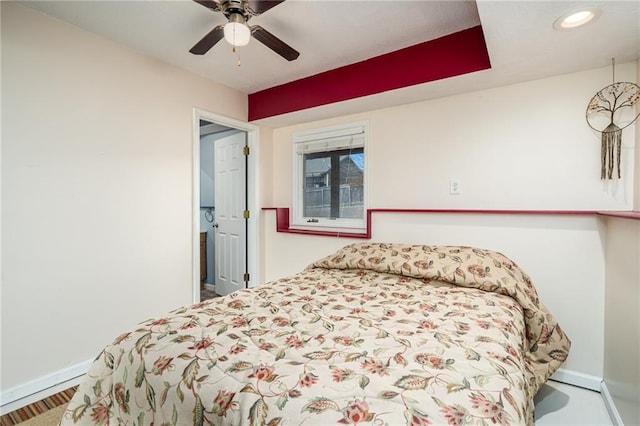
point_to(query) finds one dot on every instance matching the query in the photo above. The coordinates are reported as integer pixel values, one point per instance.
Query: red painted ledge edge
(282, 218)
(633, 214)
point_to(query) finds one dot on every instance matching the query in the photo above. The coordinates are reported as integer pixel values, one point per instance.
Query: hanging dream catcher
(610, 111)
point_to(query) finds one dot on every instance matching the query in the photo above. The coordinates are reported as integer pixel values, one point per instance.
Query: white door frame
(253, 195)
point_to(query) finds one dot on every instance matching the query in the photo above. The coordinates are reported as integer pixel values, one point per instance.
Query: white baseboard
(210, 287)
(37, 389)
(575, 378)
(611, 406)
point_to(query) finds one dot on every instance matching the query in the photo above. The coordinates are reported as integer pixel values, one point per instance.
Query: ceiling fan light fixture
(236, 31)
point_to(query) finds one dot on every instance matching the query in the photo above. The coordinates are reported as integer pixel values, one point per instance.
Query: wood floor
(32, 410)
(206, 294)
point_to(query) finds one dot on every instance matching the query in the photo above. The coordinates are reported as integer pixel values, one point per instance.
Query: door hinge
(246, 150)
(246, 214)
(245, 277)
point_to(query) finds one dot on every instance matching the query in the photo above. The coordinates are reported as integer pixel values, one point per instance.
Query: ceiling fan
(237, 32)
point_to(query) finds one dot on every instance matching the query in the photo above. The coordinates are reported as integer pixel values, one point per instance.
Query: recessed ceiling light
(576, 18)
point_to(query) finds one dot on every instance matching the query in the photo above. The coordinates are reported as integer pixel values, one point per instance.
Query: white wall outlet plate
(454, 186)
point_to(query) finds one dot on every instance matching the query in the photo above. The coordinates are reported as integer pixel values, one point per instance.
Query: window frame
(309, 138)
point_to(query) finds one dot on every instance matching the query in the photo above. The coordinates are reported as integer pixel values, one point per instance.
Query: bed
(380, 334)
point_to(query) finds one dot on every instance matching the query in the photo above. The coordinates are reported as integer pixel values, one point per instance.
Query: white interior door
(230, 200)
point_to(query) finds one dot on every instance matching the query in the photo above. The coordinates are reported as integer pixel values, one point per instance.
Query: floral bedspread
(380, 334)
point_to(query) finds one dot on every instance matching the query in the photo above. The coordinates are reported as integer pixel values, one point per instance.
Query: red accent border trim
(282, 225)
(454, 54)
(282, 218)
(626, 215)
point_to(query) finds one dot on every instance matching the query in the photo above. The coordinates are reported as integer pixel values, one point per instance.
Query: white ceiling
(520, 38)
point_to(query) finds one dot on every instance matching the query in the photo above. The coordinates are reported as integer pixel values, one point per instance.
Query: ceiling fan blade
(274, 43)
(208, 41)
(256, 7)
(210, 4)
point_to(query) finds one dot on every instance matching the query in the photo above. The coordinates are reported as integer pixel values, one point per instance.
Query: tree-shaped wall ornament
(610, 111)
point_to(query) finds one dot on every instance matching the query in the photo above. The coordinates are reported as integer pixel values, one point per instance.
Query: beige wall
(524, 146)
(622, 305)
(96, 190)
(266, 191)
(622, 321)
(637, 149)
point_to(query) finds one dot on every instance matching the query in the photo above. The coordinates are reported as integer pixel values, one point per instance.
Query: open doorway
(223, 184)
(225, 219)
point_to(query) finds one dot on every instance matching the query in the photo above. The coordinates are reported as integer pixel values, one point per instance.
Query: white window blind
(346, 138)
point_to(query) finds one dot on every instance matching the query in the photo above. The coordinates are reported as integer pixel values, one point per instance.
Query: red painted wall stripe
(456, 54)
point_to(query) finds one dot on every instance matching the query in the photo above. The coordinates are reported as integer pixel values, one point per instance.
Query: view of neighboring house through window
(334, 184)
(330, 177)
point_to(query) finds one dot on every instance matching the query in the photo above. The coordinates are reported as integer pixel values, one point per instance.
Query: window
(329, 177)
